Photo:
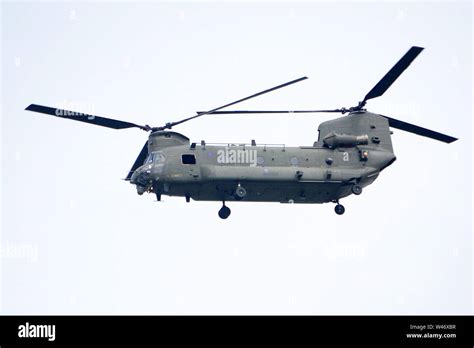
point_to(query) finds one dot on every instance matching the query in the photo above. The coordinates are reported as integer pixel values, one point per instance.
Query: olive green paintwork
(304, 174)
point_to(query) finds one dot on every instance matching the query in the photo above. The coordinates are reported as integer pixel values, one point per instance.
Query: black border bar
(274, 330)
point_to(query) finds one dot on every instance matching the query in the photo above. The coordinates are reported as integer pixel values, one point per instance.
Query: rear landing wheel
(339, 209)
(224, 212)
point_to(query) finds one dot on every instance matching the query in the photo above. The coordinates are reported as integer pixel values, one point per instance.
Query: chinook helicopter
(349, 154)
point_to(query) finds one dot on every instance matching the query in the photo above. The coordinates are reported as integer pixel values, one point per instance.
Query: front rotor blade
(408, 127)
(79, 116)
(172, 124)
(394, 73)
(269, 111)
(139, 161)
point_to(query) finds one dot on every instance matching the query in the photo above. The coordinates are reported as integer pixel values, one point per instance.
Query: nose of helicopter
(141, 177)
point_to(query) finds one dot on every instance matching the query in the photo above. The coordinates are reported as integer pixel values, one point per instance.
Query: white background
(76, 239)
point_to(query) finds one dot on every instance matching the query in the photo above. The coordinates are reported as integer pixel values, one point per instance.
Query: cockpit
(155, 157)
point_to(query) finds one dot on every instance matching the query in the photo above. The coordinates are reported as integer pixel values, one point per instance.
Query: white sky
(90, 244)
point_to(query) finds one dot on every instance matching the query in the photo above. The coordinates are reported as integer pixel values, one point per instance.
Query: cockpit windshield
(156, 157)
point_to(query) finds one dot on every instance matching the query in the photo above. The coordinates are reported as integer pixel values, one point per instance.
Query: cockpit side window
(157, 157)
(188, 159)
(150, 158)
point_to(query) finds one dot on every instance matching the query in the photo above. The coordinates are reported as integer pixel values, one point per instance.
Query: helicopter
(350, 153)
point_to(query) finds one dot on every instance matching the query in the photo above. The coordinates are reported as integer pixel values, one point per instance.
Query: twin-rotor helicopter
(349, 154)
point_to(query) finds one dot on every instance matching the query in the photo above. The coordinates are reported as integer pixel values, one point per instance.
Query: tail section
(360, 124)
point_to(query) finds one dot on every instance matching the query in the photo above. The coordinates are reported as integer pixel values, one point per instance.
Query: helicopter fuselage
(267, 173)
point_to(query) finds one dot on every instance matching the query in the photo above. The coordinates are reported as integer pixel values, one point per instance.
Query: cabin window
(188, 159)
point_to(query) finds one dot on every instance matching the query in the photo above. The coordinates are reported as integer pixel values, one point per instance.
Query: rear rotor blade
(172, 124)
(270, 111)
(79, 116)
(408, 127)
(139, 161)
(393, 74)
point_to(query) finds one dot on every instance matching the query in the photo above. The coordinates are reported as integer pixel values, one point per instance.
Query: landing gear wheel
(224, 212)
(356, 189)
(339, 209)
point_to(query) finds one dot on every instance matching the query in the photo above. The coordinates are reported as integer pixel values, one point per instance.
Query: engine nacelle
(333, 140)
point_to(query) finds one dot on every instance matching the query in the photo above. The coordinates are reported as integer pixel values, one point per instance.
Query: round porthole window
(260, 160)
(294, 161)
